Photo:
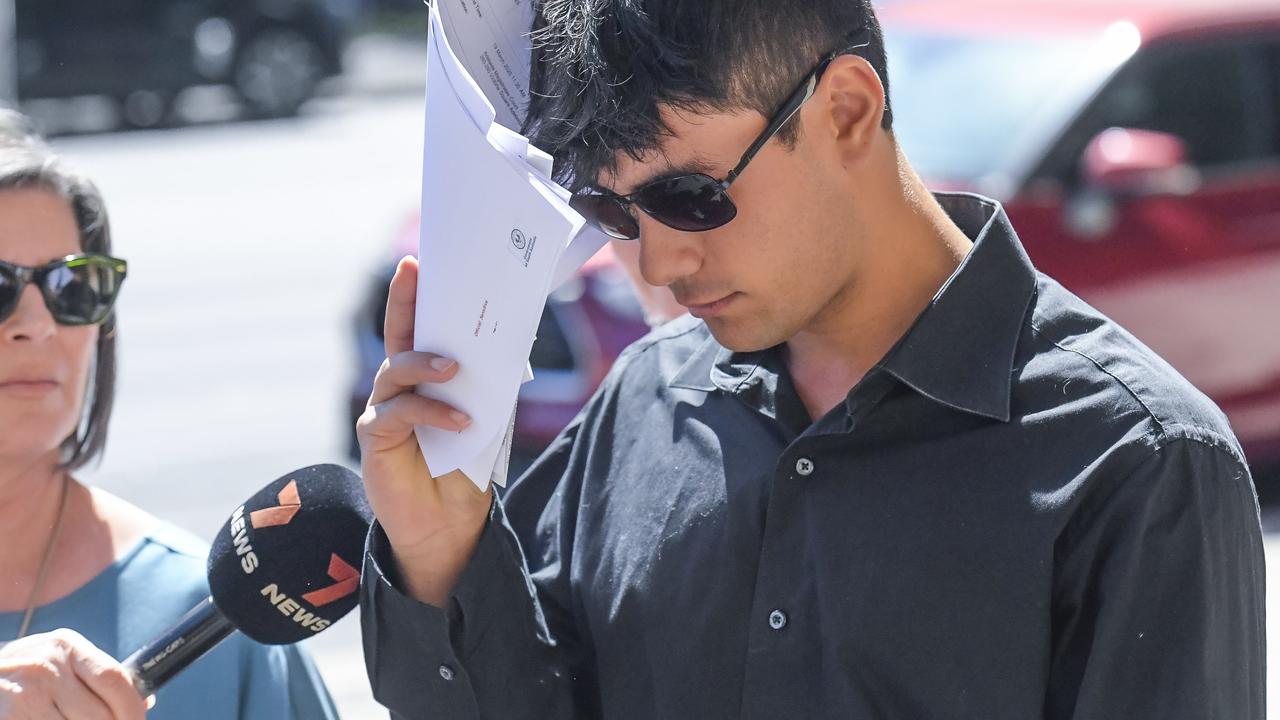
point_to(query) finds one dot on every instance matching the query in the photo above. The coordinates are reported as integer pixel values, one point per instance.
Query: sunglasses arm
(794, 103)
(859, 38)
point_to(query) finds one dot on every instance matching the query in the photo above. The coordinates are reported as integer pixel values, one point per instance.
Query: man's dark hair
(602, 69)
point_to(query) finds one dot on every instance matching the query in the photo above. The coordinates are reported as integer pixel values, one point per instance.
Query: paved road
(249, 245)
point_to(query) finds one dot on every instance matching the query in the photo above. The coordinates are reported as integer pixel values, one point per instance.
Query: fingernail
(460, 417)
(151, 701)
(440, 364)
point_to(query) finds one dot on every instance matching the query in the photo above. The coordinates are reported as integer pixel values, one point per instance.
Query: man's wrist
(429, 571)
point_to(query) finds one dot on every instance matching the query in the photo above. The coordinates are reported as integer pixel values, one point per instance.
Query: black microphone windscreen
(286, 565)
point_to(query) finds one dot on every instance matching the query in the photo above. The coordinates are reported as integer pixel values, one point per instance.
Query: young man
(885, 470)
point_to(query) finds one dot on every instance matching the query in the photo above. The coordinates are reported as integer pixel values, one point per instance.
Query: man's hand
(62, 675)
(433, 524)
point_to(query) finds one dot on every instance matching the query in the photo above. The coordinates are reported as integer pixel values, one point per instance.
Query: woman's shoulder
(172, 544)
(166, 571)
(155, 560)
(163, 575)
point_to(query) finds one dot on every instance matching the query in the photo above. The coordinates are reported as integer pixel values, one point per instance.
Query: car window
(46, 16)
(961, 101)
(1215, 96)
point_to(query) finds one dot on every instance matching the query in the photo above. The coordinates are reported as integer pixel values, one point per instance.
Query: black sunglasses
(697, 202)
(78, 289)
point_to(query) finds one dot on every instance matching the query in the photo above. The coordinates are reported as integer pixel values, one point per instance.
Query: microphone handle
(155, 663)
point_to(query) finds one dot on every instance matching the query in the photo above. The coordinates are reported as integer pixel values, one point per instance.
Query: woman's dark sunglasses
(78, 289)
(697, 202)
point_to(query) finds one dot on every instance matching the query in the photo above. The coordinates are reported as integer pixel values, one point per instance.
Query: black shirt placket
(784, 641)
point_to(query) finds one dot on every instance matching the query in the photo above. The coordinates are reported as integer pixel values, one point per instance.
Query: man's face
(780, 264)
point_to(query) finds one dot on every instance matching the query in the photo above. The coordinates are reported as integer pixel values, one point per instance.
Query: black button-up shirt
(1020, 512)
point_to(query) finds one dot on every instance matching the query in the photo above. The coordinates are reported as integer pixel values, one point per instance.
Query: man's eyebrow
(696, 164)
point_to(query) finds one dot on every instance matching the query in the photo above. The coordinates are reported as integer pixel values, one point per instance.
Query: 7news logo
(346, 578)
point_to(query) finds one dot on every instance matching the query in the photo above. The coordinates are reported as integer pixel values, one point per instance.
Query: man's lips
(711, 307)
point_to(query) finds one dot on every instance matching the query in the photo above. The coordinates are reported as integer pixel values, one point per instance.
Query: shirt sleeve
(1158, 599)
(281, 681)
(504, 646)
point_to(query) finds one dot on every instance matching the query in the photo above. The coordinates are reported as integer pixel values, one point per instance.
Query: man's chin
(741, 336)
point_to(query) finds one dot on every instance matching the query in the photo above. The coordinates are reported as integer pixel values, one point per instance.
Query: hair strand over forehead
(604, 70)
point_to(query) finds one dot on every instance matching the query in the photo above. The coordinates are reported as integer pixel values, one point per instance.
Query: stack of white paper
(497, 236)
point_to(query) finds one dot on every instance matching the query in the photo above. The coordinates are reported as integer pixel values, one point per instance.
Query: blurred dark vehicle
(395, 6)
(584, 326)
(1136, 147)
(273, 53)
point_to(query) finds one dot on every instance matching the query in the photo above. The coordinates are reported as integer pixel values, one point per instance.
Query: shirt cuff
(493, 588)
(408, 650)
(482, 588)
(493, 585)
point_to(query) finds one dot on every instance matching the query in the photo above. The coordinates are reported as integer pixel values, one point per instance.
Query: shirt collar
(960, 350)
(713, 366)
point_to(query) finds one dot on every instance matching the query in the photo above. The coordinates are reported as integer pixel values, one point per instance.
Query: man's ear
(851, 98)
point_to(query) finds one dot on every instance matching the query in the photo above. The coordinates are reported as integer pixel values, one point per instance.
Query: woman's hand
(61, 675)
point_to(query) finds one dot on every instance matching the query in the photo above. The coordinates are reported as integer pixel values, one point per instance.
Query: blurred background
(260, 160)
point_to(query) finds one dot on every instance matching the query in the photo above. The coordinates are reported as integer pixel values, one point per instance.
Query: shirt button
(777, 619)
(446, 672)
(804, 466)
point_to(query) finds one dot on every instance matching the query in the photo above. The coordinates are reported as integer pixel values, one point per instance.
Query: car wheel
(145, 109)
(276, 71)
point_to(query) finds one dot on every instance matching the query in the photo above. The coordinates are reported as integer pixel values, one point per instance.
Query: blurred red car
(584, 326)
(1136, 147)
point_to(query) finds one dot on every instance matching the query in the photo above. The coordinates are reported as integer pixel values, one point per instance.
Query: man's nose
(30, 320)
(666, 254)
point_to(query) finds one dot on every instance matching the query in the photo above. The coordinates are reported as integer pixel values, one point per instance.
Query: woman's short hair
(26, 161)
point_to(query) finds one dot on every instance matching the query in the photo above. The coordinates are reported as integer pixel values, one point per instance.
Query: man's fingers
(403, 371)
(108, 680)
(397, 329)
(76, 700)
(389, 423)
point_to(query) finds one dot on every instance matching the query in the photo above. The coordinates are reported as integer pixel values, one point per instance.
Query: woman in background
(85, 576)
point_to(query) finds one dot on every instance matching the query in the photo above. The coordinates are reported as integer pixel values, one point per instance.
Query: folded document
(496, 234)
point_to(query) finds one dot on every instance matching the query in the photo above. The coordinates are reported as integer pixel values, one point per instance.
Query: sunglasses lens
(607, 213)
(691, 203)
(82, 291)
(10, 288)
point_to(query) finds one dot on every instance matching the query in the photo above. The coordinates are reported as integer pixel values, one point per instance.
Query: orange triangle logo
(347, 577)
(282, 514)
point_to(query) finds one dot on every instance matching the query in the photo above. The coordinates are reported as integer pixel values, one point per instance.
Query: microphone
(285, 566)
